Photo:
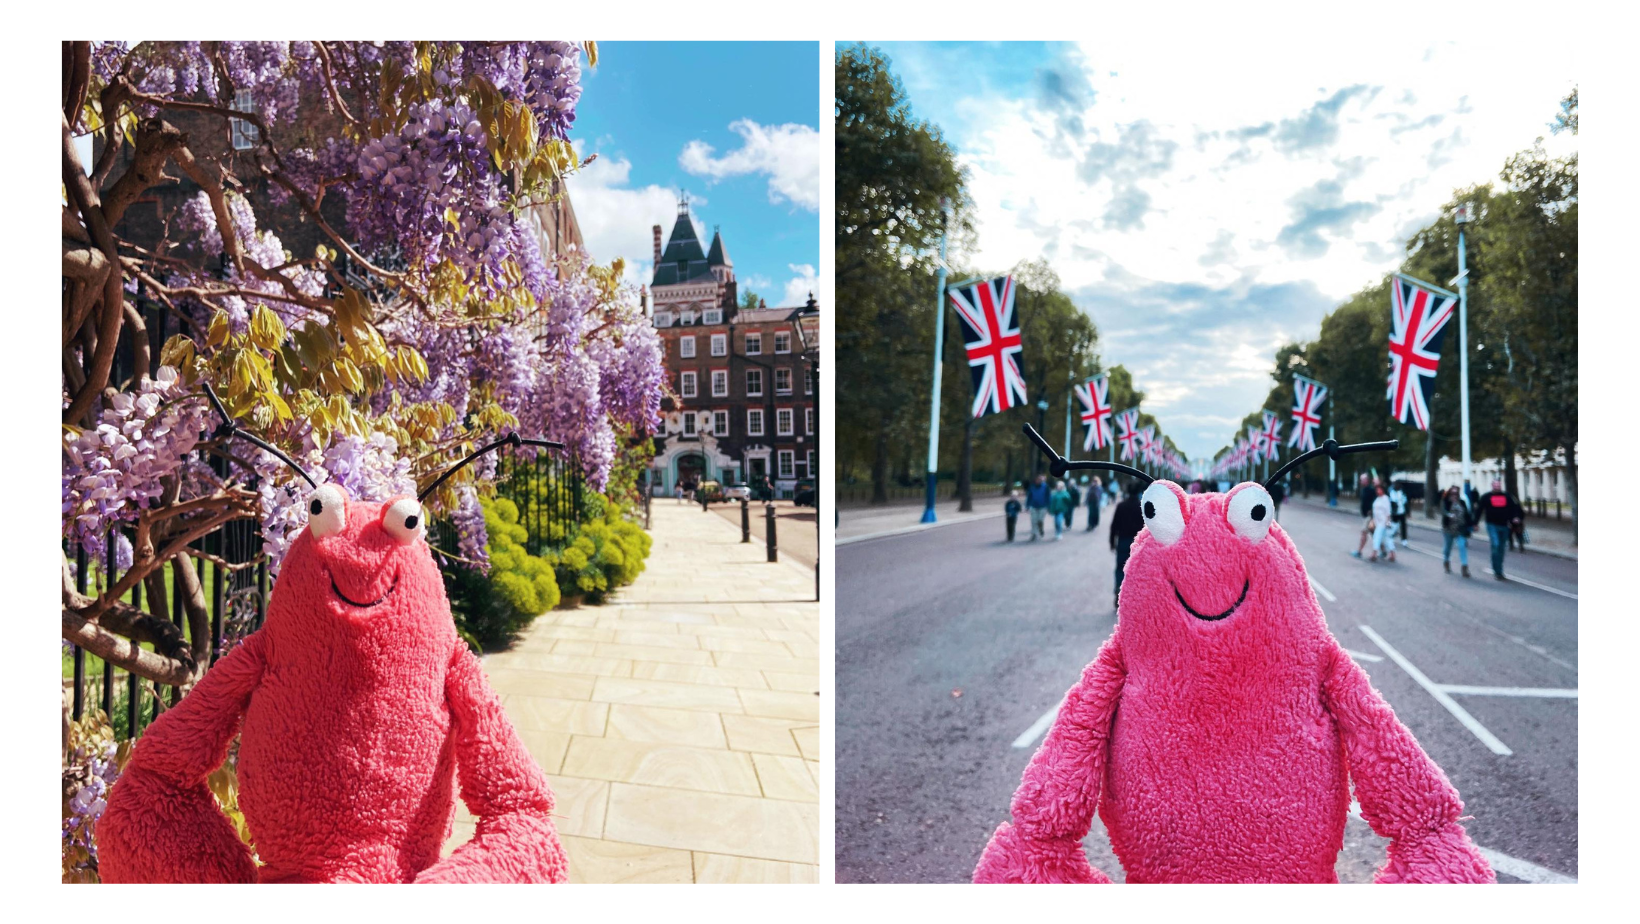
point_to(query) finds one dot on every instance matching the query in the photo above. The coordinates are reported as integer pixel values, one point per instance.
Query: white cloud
(799, 287)
(789, 154)
(616, 219)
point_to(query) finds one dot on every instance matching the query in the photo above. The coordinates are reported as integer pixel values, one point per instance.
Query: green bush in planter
(492, 608)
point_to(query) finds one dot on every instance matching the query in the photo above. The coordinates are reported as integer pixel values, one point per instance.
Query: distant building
(745, 399)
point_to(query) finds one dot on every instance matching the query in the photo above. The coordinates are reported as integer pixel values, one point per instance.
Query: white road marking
(1363, 656)
(1038, 728)
(920, 527)
(1508, 691)
(1538, 650)
(1504, 863)
(1441, 696)
(1322, 590)
(1518, 580)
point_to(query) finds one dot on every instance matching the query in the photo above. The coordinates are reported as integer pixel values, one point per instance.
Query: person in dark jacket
(1278, 493)
(1011, 511)
(1125, 522)
(1456, 525)
(1500, 511)
(1076, 501)
(1037, 497)
(1096, 497)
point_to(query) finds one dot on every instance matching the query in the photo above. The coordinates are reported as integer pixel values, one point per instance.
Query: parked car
(734, 492)
(803, 494)
(708, 491)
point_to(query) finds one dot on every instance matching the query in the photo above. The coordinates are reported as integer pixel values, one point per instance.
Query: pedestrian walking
(1096, 499)
(1125, 522)
(1368, 496)
(1278, 493)
(1011, 511)
(1383, 530)
(1517, 535)
(1500, 512)
(1036, 501)
(1076, 501)
(1059, 504)
(1457, 522)
(1398, 498)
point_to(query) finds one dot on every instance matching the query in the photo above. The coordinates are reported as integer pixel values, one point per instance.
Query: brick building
(745, 397)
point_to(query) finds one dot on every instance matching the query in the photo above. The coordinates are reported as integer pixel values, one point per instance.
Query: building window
(754, 344)
(686, 347)
(686, 386)
(720, 423)
(811, 469)
(808, 381)
(720, 344)
(808, 420)
(782, 381)
(712, 316)
(754, 383)
(783, 421)
(663, 319)
(720, 383)
(786, 459)
(686, 317)
(754, 421)
(782, 342)
(244, 133)
(688, 423)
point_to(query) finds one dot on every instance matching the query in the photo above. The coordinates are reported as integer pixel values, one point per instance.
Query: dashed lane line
(1524, 870)
(1038, 728)
(1509, 691)
(1363, 656)
(1441, 696)
(1324, 592)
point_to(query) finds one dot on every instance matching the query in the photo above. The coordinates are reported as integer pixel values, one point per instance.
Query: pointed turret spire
(717, 255)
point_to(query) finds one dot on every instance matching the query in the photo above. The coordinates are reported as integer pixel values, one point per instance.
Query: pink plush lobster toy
(1219, 729)
(356, 704)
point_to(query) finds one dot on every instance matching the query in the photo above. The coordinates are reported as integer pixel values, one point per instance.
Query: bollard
(745, 520)
(768, 531)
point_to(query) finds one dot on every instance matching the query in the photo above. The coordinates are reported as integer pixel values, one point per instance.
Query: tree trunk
(1571, 486)
(1509, 476)
(965, 470)
(879, 467)
(1432, 484)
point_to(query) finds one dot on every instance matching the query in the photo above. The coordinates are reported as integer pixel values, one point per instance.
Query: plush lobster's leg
(1055, 803)
(1404, 796)
(503, 788)
(162, 824)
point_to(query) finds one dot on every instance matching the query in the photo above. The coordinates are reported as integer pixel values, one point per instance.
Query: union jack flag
(1127, 433)
(1307, 397)
(1148, 444)
(991, 335)
(1272, 436)
(1095, 398)
(1418, 319)
(1255, 444)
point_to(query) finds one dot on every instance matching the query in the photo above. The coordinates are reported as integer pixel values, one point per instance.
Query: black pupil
(1150, 510)
(315, 507)
(411, 520)
(1258, 512)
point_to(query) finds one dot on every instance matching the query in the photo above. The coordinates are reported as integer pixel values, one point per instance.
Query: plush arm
(1055, 803)
(162, 824)
(503, 788)
(1404, 796)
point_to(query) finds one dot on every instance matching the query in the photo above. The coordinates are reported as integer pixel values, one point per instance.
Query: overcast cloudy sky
(1209, 204)
(735, 124)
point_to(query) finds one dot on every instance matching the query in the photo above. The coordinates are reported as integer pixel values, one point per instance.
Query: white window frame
(811, 471)
(808, 380)
(754, 421)
(779, 390)
(720, 423)
(808, 421)
(689, 423)
(686, 384)
(720, 344)
(686, 317)
(784, 421)
(663, 319)
(243, 135)
(712, 316)
(785, 464)
(686, 347)
(782, 341)
(720, 383)
(754, 344)
(754, 392)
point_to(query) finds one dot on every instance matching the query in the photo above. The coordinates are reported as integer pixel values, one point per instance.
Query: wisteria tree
(421, 319)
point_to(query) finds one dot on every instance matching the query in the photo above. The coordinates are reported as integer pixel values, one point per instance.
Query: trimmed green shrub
(492, 607)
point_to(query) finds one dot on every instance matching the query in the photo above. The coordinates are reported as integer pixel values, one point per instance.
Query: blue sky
(735, 124)
(1207, 204)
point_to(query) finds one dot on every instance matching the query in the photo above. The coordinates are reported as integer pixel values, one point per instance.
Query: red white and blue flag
(1307, 397)
(1096, 413)
(1272, 436)
(1127, 433)
(1148, 444)
(1255, 444)
(1418, 320)
(991, 335)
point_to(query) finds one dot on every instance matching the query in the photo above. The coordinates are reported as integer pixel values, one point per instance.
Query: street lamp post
(807, 323)
(1041, 424)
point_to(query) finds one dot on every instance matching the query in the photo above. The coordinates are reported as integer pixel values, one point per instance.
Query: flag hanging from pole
(1147, 444)
(1095, 398)
(1127, 436)
(1418, 320)
(990, 333)
(1308, 394)
(1255, 444)
(1272, 436)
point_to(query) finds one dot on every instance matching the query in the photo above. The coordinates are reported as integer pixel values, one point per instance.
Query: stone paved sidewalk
(679, 722)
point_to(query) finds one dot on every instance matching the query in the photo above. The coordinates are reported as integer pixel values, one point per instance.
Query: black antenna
(511, 439)
(1059, 465)
(1331, 450)
(228, 428)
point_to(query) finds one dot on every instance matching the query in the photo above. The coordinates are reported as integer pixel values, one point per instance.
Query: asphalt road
(794, 532)
(952, 644)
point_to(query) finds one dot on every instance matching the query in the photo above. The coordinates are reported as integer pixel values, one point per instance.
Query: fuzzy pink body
(359, 703)
(1218, 731)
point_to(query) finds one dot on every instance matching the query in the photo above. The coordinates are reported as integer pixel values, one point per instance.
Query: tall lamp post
(807, 323)
(1041, 424)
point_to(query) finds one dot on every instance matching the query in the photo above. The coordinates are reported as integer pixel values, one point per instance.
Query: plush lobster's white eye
(1251, 511)
(405, 520)
(327, 510)
(1163, 515)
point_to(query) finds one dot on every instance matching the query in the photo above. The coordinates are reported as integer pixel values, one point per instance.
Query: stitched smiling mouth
(1189, 609)
(338, 592)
